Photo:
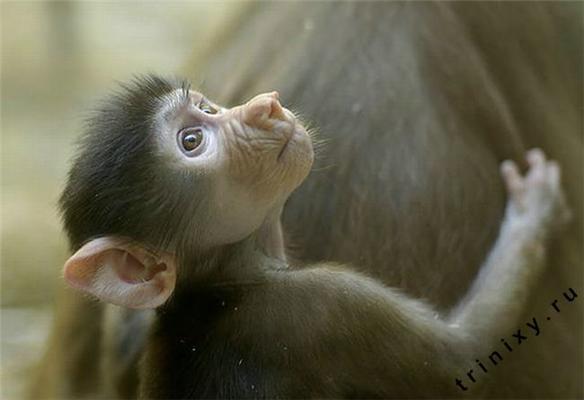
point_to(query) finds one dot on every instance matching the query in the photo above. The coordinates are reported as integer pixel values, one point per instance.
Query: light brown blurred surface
(57, 59)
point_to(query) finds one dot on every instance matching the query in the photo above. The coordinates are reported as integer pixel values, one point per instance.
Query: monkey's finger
(553, 174)
(535, 157)
(511, 176)
(537, 167)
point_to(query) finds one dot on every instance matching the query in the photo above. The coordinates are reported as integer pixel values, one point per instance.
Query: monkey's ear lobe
(121, 273)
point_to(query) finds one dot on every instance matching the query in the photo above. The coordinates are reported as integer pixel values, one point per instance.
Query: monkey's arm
(501, 291)
(383, 322)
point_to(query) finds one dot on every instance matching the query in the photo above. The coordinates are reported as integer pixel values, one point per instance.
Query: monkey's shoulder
(320, 313)
(326, 296)
(292, 335)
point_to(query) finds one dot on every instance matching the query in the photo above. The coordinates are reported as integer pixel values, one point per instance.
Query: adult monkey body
(432, 94)
(413, 161)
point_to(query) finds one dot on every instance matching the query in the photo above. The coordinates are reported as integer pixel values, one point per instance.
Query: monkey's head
(162, 170)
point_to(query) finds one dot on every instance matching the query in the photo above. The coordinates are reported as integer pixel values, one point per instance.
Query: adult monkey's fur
(420, 102)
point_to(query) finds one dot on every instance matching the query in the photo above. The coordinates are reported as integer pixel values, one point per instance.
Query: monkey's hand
(536, 200)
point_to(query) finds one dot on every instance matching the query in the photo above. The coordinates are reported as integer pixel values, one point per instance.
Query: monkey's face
(252, 157)
(162, 174)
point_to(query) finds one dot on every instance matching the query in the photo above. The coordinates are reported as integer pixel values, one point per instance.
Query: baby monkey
(174, 204)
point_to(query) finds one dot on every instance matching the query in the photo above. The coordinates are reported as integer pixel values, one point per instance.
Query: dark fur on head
(118, 184)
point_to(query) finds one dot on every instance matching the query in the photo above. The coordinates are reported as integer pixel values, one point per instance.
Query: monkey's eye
(206, 107)
(190, 139)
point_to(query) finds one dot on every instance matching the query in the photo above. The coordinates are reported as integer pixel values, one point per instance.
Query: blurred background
(57, 59)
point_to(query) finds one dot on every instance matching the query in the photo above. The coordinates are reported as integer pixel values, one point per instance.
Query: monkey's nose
(277, 110)
(263, 109)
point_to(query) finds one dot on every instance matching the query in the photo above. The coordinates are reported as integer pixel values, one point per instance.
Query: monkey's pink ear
(121, 273)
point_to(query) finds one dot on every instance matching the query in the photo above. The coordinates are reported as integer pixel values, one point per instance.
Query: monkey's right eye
(190, 139)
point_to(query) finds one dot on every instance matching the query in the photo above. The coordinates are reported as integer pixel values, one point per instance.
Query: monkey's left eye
(190, 139)
(206, 107)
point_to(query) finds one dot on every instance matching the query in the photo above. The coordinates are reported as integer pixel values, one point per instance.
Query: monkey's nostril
(277, 111)
(262, 110)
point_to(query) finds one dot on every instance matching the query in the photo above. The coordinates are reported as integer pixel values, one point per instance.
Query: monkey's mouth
(289, 134)
(283, 150)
